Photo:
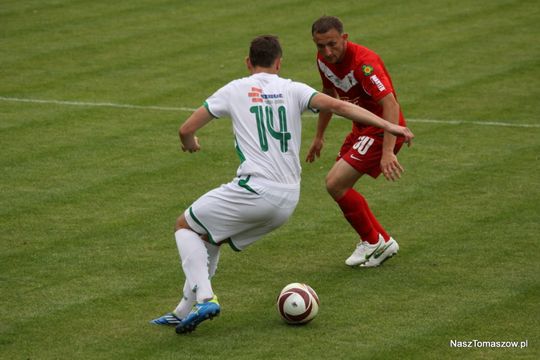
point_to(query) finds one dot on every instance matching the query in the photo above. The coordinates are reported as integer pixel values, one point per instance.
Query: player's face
(331, 45)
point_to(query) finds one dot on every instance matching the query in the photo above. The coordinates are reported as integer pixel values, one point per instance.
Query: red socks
(357, 212)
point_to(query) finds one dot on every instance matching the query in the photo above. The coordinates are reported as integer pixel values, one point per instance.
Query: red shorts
(364, 153)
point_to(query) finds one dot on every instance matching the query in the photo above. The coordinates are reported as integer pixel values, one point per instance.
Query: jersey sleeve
(374, 80)
(304, 94)
(217, 104)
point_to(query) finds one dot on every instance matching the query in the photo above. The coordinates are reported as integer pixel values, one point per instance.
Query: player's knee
(334, 187)
(181, 223)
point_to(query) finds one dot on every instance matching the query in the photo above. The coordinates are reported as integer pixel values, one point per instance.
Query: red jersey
(360, 78)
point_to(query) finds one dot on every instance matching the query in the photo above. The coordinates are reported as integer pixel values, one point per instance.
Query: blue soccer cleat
(167, 319)
(199, 313)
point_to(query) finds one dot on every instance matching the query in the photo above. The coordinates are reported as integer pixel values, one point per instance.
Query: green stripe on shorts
(201, 225)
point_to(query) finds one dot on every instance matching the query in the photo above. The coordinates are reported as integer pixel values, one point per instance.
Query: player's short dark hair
(264, 50)
(325, 24)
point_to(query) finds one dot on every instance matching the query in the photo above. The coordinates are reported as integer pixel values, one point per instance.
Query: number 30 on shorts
(363, 144)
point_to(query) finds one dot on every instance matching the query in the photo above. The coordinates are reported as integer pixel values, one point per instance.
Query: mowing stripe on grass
(172, 108)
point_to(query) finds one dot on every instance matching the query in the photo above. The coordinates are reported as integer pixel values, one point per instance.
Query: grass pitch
(90, 193)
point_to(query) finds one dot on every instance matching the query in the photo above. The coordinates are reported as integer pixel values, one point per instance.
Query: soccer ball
(297, 303)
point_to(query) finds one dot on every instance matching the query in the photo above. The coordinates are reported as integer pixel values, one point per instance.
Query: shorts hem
(191, 217)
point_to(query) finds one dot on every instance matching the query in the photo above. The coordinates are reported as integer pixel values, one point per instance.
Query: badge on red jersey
(367, 69)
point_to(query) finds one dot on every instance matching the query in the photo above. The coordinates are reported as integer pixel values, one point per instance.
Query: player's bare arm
(358, 114)
(390, 166)
(324, 118)
(187, 131)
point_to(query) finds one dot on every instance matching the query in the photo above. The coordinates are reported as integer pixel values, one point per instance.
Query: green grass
(90, 194)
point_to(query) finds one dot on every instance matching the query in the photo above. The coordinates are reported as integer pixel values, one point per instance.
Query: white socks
(188, 300)
(199, 262)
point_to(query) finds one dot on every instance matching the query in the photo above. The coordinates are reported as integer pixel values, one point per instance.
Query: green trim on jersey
(201, 225)
(205, 104)
(243, 183)
(309, 103)
(239, 151)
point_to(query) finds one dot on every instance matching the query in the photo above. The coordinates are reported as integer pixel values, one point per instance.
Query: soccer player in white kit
(266, 116)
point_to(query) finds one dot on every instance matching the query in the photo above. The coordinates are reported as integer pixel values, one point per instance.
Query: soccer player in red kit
(356, 74)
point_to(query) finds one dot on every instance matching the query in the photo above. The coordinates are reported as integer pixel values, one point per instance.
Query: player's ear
(278, 64)
(345, 36)
(248, 64)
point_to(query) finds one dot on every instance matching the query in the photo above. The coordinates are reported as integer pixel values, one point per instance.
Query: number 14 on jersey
(264, 116)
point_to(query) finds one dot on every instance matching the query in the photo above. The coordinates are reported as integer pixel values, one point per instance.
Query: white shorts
(242, 211)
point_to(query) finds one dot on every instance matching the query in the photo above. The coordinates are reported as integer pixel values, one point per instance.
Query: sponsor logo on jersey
(375, 80)
(355, 100)
(257, 96)
(344, 84)
(367, 69)
(272, 96)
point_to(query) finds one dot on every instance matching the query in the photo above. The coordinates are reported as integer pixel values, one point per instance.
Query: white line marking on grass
(186, 109)
(97, 104)
(485, 123)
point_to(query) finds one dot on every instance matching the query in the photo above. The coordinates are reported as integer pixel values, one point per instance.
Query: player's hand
(315, 150)
(191, 145)
(390, 166)
(402, 131)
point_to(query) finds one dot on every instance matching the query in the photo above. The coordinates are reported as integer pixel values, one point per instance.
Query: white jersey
(266, 115)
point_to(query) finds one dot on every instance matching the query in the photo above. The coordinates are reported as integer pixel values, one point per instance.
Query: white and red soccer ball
(298, 303)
